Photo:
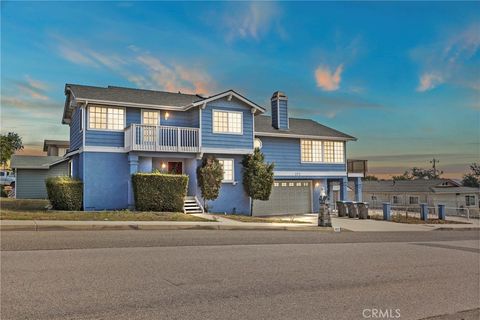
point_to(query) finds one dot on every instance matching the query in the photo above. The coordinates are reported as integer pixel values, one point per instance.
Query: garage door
(288, 197)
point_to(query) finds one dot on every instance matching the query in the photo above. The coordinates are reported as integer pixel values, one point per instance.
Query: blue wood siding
(76, 137)
(285, 153)
(283, 114)
(227, 141)
(187, 118)
(105, 184)
(104, 138)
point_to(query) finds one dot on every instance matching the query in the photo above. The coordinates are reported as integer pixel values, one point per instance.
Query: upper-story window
(322, 151)
(106, 118)
(227, 122)
(151, 118)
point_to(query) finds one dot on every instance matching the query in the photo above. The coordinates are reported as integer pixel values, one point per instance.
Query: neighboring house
(55, 147)
(115, 132)
(31, 172)
(413, 192)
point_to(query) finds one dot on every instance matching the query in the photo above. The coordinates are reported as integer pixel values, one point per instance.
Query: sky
(404, 78)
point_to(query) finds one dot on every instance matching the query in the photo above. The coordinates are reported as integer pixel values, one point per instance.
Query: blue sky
(401, 77)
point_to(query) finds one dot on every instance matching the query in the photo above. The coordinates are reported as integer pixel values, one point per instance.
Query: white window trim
(151, 110)
(233, 169)
(82, 118)
(109, 130)
(322, 152)
(227, 111)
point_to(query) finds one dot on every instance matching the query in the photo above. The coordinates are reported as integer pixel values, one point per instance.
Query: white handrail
(162, 138)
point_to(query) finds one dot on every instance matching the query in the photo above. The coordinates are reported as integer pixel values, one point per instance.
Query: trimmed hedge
(159, 192)
(65, 193)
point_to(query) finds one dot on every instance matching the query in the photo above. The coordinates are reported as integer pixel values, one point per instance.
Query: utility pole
(434, 162)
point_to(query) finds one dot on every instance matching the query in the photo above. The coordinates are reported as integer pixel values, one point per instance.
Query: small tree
(472, 179)
(370, 178)
(257, 177)
(209, 177)
(9, 143)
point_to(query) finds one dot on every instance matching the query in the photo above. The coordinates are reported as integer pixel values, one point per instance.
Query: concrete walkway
(387, 226)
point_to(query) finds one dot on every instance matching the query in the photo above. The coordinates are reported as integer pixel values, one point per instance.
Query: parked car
(7, 178)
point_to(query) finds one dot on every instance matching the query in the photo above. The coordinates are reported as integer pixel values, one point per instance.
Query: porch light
(167, 115)
(317, 184)
(164, 165)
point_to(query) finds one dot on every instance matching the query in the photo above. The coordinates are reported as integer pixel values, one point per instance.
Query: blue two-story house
(115, 132)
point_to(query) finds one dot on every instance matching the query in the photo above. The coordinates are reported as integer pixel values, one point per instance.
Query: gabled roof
(58, 143)
(298, 128)
(33, 162)
(419, 185)
(142, 98)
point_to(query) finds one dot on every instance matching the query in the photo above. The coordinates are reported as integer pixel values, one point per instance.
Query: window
(374, 198)
(62, 151)
(106, 118)
(413, 200)
(227, 122)
(227, 169)
(469, 200)
(322, 151)
(151, 118)
(338, 151)
(396, 199)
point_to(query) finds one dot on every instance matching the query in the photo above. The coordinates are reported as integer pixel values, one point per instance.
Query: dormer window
(229, 122)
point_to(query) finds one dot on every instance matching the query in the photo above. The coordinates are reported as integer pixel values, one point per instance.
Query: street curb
(98, 227)
(457, 229)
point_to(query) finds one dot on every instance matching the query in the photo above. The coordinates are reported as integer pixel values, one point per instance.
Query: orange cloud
(328, 80)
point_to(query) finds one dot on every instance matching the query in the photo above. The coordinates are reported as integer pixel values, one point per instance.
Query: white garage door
(287, 197)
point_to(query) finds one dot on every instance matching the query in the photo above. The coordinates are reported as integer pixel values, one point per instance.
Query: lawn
(13, 209)
(415, 220)
(243, 218)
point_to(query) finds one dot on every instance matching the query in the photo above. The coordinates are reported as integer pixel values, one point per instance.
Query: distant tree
(472, 179)
(9, 143)
(419, 173)
(370, 178)
(209, 177)
(257, 177)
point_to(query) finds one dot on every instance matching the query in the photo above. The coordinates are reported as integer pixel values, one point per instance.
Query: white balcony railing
(139, 137)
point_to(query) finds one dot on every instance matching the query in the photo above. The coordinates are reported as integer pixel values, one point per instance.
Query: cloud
(141, 68)
(252, 21)
(31, 88)
(172, 77)
(328, 80)
(453, 59)
(429, 81)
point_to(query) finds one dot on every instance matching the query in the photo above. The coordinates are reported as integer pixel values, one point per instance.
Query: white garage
(287, 197)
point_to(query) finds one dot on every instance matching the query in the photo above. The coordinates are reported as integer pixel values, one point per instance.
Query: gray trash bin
(362, 210)
(341, 208)
(352, 209)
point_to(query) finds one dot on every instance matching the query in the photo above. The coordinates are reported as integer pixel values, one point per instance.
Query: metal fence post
(441, 211)
(386, 211)
(424, 211)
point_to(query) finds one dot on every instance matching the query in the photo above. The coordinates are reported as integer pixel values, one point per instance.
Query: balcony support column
(358, 189)
(133, 167)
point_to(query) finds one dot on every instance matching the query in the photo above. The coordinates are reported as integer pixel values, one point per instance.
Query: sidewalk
(221, 224)
(344, 224)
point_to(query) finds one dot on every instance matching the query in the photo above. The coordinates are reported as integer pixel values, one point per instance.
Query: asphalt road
(239, 275)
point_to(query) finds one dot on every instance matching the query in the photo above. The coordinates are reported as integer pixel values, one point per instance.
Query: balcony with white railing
(139, 137)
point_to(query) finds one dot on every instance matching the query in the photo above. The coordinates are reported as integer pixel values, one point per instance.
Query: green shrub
(159, 192)
(3, 193)
(65, 193)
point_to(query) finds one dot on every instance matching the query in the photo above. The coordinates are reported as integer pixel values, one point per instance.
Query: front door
(175, 167)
